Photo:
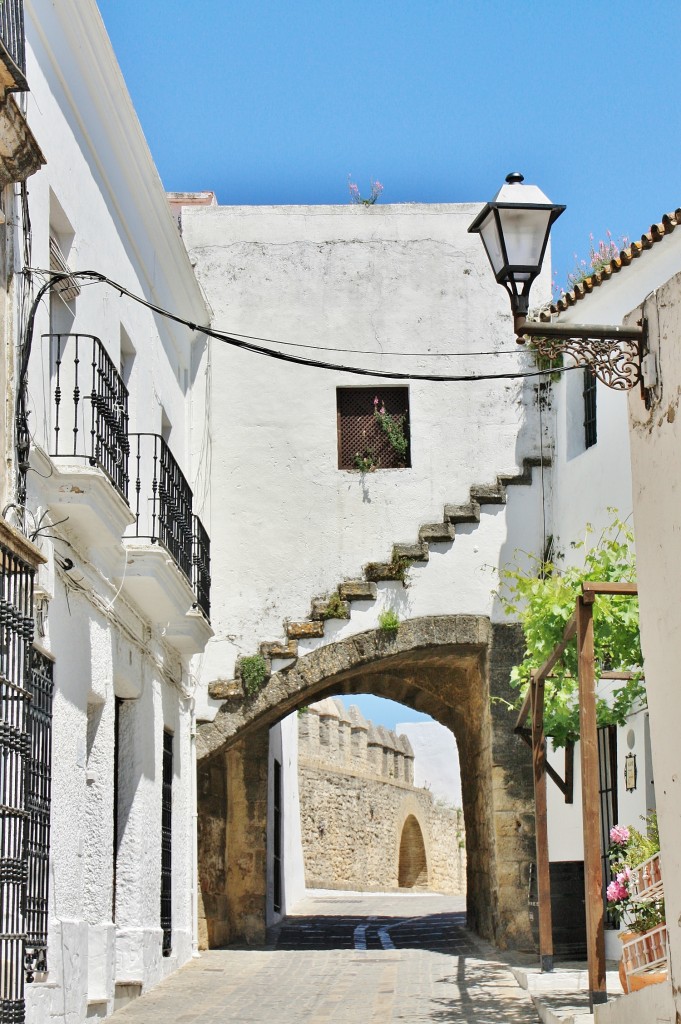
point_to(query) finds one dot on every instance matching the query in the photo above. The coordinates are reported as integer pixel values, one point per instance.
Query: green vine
(543, 600)
(393, 426)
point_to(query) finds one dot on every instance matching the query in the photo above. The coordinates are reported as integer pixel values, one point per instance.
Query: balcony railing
(13, 49)
(163, 499)
(90, 419)
(201, 566)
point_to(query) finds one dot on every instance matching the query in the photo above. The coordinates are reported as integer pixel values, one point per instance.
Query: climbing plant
(543, 599)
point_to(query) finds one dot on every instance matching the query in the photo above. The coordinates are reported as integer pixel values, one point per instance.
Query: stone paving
(350, 958)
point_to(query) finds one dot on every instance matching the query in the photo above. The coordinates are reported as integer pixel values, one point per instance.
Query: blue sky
(273, 102)
(277, 102)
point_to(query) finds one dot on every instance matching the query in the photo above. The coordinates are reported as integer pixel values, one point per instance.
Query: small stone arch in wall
(412, 872)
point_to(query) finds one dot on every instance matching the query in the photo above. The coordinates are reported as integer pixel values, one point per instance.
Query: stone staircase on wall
(339, 604)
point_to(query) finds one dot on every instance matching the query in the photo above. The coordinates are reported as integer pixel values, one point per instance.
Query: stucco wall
(409, 284)
(357, 797)
(655, 443)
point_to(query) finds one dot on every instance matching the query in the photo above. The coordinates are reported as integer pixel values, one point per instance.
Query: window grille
(38, 799)
(166, 844)
(589, 393)
(607, 788)
(16, 634)
(360, 435)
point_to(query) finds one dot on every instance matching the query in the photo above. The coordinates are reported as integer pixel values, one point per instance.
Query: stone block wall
(365, 826)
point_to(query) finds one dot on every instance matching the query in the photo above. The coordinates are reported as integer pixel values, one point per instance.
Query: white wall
(284, 747)
(100, 184)
(289, 524)
(655, 444)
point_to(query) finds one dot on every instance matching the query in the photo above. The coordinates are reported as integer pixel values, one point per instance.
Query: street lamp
(515, 229)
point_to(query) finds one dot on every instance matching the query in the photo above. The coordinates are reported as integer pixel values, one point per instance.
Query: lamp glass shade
(525, 234)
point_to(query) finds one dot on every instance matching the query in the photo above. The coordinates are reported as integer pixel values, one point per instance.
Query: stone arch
(413, 859)
(448, 666)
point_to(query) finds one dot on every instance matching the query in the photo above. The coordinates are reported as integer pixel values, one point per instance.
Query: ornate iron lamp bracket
(613, 354)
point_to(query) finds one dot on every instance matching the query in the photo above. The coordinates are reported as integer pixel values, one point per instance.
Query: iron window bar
(167, 844)
(590, 421)
(90, 403)
(163, 499)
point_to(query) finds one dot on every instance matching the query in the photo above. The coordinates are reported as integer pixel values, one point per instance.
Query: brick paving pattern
(348, 959)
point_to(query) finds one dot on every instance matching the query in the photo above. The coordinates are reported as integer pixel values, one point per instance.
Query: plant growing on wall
(366, 461)
(393, 426)
(388, 621)
(543, 599)
(356, 197)
(600, 256)
(253, 672)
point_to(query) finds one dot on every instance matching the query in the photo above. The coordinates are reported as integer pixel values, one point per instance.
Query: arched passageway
(451, 667)
(412, 869)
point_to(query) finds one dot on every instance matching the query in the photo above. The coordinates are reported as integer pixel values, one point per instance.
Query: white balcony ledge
(154, 583)
(96, 513)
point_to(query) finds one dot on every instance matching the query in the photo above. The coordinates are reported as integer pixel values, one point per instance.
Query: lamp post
(515, 228)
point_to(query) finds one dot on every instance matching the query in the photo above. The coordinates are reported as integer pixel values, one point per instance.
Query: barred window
(373, 428)
(590, 435)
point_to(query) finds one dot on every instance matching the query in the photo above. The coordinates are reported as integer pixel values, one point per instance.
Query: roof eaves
(625, 257)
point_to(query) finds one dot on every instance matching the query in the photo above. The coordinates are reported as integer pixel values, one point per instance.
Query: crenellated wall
(365, 826)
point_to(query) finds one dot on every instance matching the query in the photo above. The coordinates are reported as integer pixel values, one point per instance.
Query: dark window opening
(607, 788)
(116, 769)
(363, 442)
(277, 837)
(589, 393)
(166, 844)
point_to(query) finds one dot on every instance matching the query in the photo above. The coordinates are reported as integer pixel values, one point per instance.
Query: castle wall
(358, 802)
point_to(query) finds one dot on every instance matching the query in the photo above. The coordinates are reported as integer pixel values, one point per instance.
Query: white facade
(409, 284)
(117, 614)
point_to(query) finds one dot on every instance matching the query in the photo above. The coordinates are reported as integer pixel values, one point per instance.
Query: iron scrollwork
(615, 362)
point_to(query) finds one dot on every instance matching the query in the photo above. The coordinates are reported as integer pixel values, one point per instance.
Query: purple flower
(619, 835)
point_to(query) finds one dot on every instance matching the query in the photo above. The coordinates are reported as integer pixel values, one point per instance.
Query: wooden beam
(588, 734)
(541, 824)
(557, 653)
(596, 587)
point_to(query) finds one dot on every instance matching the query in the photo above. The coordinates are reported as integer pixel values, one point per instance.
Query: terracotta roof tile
(656, 233)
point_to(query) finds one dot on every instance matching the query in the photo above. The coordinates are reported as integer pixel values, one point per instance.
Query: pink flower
(619, 835)
(382, 410)
(376, 400)
(616, 892)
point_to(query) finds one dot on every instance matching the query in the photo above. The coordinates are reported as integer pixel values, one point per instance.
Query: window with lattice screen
(362, 442)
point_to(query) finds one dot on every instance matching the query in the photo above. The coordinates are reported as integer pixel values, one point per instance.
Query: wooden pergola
(579, 626)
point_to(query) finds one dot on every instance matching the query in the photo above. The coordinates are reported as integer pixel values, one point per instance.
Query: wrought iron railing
(14, 42)
(90, 418)
(16, 633)
(201, 566)
(163, 499)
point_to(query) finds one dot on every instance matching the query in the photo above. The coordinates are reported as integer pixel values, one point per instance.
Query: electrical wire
(287, 357)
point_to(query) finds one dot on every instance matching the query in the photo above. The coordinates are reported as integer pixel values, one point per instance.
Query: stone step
(305, 630)
(224, 689)
(357, 590)
(414, 552)
(381, 572)
(330, 609)
(469, 513)
(489, 494)
(437, 533)
(279, 649)
(524, 479)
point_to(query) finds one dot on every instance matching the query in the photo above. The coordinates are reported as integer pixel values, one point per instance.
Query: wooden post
(541, 823)
(593, 878)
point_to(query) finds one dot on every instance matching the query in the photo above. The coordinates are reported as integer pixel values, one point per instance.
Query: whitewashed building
(105, 480)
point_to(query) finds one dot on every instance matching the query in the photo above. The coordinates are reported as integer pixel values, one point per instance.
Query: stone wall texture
(365, 826)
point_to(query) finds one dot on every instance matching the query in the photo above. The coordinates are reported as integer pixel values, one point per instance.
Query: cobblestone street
(348, 958)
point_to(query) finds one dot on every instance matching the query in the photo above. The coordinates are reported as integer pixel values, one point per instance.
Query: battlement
(342, 738)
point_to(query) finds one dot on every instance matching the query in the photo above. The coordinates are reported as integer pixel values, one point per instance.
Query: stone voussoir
(305, 630)
(358, 590)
